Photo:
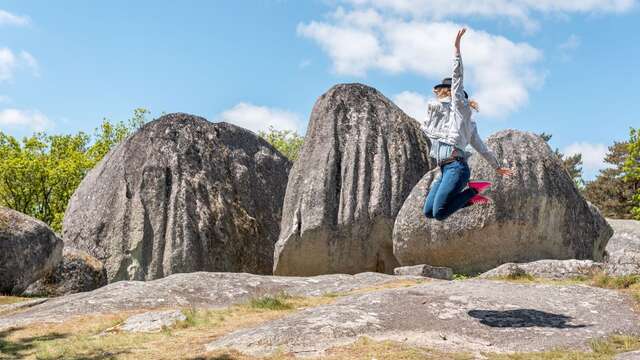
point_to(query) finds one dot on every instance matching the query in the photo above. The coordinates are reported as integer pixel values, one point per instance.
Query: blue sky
(569, 67)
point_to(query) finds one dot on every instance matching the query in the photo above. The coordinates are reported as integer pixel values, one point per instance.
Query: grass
(269, 302)
(615, 282)
(7, 300)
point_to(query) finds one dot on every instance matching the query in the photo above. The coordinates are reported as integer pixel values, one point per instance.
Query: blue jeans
(446, 195)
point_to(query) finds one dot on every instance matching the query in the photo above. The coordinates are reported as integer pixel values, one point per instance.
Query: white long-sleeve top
(449, 120)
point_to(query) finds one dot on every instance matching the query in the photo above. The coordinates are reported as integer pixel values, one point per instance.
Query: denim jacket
(449, 121)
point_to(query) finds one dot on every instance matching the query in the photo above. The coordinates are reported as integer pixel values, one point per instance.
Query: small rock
(152, 321)
(78, 272)
(435, 272)
(547, 269)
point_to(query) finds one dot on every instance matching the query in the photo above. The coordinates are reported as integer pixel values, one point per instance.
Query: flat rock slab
(634, 355)
(201, 289)
(547, 269)
(435, 272)
(152, 321)
(473, 315)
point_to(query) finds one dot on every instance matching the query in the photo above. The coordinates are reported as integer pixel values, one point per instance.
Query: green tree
(631, 169)
(39, 174)
(108, 134)
(286, 141)
(609, 191)
(572, 164)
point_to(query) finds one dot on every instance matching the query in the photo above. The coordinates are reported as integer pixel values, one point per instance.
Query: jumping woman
(450, 129)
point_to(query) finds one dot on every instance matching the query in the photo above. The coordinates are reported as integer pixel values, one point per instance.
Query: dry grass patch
(614, 282)
(7, 300)
(85, 337)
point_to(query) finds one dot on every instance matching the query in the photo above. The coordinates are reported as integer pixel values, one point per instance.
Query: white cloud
(572, 43)
(31, 119)
(500, 72)
(592, 156)
(412, 103)
(568, 47)
(10, 63)
(7, 18)
(349, 48)
(521, 12)
(30, 62)
(257, 118)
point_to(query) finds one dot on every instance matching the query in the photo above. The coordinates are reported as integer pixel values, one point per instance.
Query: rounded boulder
(29, 250)
(182, 194)
(538, 213)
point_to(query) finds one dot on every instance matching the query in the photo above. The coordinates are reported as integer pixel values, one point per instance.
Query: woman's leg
(430, 198)
(450, 197)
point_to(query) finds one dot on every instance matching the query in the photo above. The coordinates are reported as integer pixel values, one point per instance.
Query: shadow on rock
(523, 318)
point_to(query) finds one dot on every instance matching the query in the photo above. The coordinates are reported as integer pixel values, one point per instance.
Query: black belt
(450, 160)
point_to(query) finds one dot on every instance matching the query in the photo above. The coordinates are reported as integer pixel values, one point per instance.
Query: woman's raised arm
(457, 87)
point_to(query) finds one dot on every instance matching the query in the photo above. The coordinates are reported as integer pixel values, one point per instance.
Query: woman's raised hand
(505, 172)
(458, 38)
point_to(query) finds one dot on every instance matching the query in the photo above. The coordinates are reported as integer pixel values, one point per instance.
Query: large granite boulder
(536, 214)
(77, 272)
(29, 250)
(361, 157)
(180, 195)
(624, 248)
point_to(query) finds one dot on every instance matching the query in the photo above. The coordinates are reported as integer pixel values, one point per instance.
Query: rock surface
(547, 269)
(434, 272)
(29, 250)
(624, 248)
(77, 272)
(181, 195)
(633, 355)
(472, 315)
(536, 214)
(200, 290)
(152, 321)
(360, 159)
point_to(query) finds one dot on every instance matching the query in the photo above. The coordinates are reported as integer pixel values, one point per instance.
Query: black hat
(446, 83)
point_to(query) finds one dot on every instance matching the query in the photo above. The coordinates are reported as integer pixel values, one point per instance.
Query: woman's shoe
(480, 186)
(478, 200)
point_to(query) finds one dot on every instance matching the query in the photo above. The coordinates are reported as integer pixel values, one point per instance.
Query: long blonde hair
(446, 92)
